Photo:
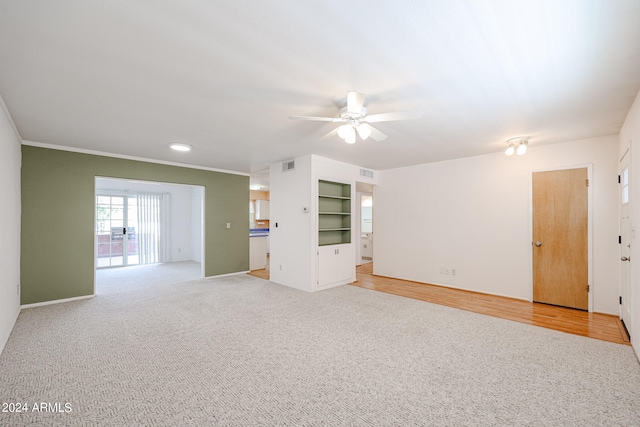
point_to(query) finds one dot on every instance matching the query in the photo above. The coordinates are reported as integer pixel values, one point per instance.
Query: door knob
(624, 258)
(538, 244)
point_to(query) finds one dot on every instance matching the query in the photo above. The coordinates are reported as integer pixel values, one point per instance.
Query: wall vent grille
(288, 166)
(367, 173)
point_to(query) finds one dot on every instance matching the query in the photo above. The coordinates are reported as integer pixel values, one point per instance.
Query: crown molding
(8, 114)
(125, 157)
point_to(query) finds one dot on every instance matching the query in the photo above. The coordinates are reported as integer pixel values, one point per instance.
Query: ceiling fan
(355, 117)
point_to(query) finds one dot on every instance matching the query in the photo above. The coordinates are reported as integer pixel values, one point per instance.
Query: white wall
(630, 137)
(197, 193)
(10, 225)
(179, 222)
(473, 215)
(290, 232)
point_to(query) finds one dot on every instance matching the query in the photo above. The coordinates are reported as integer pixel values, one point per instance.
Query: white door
(116, 228)
(625, 243)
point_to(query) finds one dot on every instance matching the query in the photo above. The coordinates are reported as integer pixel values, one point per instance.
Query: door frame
(202, 222)
(589, 167)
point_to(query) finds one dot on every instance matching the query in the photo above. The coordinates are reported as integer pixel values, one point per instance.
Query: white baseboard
(227, 274)
(56, 301)
(5, 336)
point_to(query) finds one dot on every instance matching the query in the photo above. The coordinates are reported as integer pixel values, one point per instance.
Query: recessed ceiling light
(178, 146)
(255, 187)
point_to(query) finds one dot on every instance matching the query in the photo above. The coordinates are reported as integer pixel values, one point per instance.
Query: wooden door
(560, 238)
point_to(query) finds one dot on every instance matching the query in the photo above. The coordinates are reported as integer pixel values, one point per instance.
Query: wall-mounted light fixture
(517, 145)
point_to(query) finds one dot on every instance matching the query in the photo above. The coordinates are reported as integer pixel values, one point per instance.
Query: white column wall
(196, 223)
(290, 229)
(10, 161)
(293, 232)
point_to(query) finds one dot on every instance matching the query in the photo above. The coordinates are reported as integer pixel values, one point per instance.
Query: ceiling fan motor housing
(346, 116)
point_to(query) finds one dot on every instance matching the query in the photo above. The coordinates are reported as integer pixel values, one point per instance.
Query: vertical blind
(150, 228)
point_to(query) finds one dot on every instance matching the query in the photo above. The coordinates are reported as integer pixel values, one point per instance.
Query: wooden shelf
(334, 197)
(334, 213)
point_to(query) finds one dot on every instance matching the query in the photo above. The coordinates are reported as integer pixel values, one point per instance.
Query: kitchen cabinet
(262, 209)
(257, 252)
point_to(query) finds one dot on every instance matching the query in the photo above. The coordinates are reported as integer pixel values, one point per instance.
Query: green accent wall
(58, 209)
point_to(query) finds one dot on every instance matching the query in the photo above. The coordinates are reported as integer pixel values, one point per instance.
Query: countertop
(258, 232)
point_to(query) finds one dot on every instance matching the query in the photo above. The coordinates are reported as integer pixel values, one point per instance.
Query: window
(624, 181)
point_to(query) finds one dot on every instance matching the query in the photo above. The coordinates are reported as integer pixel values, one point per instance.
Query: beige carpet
(137, 277)
(240, 351)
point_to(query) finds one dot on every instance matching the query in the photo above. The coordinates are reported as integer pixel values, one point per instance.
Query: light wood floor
(593, 325)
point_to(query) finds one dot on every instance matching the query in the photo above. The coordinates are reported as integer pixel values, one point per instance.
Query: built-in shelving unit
(334, 213)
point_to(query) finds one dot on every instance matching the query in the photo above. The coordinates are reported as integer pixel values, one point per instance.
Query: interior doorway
(147, 232)
(560, 237)
(366, 231)
(364, 223)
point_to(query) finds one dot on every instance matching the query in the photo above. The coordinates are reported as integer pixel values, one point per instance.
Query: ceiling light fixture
(364, 130)
(348, 131)
(350, 138)
(343, 131)
(178, 146)
(521, 142)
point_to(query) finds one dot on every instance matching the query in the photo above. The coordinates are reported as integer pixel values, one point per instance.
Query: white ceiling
(128, 77)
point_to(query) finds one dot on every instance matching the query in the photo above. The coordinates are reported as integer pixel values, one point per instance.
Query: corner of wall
(10, 217)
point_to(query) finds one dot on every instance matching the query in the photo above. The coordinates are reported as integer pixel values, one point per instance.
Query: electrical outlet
(280, 266)
(179, 250)
(453, 271)
(228, 225)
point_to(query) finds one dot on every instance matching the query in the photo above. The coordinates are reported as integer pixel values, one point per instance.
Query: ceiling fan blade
(387, 117)
(355, 102)
(330, 134)
(318, 119)
(377, 135)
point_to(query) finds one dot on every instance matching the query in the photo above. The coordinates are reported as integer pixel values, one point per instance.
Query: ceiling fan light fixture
(354, 115)
(343, 131)
(351, 136)
(364, 130)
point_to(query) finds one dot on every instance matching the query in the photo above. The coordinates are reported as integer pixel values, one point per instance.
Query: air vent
(288, 166)
(367, 173)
